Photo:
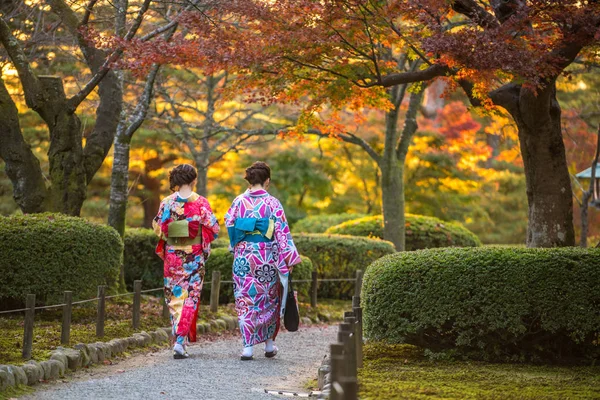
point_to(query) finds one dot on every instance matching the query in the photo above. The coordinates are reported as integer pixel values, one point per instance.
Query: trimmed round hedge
(46, 254)
(320, 223)
(489, 303)
(421, 232)
(222, 260)
(338, 256)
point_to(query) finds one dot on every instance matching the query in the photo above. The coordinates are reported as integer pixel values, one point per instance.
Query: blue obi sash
(253, 230)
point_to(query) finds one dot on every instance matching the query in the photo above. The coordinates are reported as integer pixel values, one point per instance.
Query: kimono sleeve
(159, 227)
(230, 218)
(288, 254)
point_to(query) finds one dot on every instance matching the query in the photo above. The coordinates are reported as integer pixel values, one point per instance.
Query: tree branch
(29, 81)
(410, 124)
(475, 13)
(350, 138)
(412, 76)
(76, 100)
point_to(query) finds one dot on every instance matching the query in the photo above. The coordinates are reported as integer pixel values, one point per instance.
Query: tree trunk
(108, 113)
(22, 167)
(392, 194)
(201, 186)
(119, 182)
(549, 191)
(392, 187)
(65, 155)
(588, 194)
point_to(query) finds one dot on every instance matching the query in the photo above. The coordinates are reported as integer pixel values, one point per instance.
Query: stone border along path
(64, 360)
(213, 371)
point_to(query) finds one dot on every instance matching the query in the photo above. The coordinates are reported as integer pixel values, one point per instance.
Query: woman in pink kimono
(264, 255)
(186, 227)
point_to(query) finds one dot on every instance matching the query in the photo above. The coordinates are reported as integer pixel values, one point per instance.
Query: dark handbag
(291, 317)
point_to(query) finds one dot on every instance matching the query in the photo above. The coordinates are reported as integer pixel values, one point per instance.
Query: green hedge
(222, 260)
(337, 256)
(421, 232)
(46, 254)
(489, 303)
(140, 260)
(320, 223)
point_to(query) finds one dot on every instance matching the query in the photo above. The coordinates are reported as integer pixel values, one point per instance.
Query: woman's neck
(185, 191)
(254, 188)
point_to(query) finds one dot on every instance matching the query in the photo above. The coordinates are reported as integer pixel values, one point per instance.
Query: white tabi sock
(178, 348)
(269, 346)
(247, 352)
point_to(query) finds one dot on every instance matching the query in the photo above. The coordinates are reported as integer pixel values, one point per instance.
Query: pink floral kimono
(184, 251)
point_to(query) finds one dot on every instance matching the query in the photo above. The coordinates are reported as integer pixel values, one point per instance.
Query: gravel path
(213, 371)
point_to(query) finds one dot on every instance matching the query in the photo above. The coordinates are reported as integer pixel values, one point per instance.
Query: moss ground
(402, 372)
(118, 324)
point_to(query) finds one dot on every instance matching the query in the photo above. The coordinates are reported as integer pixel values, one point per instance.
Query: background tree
(506, 54)
(71, 164)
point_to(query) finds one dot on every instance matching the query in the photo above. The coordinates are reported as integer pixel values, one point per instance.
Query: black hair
(258, 173)
(183, 174)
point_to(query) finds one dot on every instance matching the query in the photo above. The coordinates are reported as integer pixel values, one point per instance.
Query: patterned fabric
(256, 267)
(184, 265)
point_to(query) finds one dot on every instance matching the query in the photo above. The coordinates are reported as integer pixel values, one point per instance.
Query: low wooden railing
(67, 306)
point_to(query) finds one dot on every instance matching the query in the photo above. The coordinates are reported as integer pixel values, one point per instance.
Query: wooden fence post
(100, 312)
(137, 299)
(65, 332)
(359, 331)
(214, 290)
(28, 326)
(165, 310)
(351, 348)
(313, 290)
(359, 280)
(349, 386)
(337, 370)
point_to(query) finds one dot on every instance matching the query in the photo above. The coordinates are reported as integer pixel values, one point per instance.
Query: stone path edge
(63, 359)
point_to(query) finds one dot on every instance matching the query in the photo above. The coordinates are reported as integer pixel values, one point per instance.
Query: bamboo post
(313, 290)
(359, 280)
(137, 299)
(101, 311)
(28, 326)
(65, 332)
(214, 290)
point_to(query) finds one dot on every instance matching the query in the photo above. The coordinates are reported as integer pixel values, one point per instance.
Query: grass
(402, 372)
(47, 325)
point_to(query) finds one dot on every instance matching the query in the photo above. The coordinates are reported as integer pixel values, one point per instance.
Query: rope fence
(67, 305)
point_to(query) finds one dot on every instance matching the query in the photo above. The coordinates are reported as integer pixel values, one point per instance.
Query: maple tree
(506, 54)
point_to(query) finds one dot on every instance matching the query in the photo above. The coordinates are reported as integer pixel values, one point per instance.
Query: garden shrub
(222, 260)
(220, 243)
(320, 223)
(421, 232)
(488, 303)
(140, 260)
(337, 256)
(46, 254)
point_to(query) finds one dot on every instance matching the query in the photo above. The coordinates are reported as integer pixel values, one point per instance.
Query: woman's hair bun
(258, 173)
(183, 174)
